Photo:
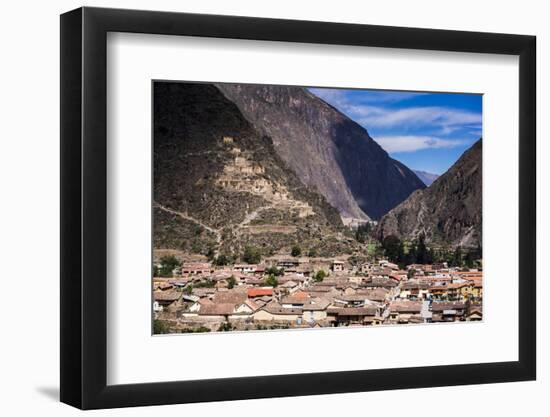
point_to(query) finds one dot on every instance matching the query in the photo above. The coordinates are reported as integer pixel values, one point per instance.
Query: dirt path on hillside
(185, 216)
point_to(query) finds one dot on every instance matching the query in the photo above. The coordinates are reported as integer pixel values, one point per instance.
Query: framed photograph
(259, 208)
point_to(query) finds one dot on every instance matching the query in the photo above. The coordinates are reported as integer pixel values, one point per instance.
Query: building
(445, 311)
(288, 263)
(245, 268)
(351, 300)
(197, 268)
(216, 311)
(164, 299)
(295, 300)
(475, 313)
(338, 266)
(415, 290)
(405, 311)
(347, 316)
(273, 311)
(259, 292)
(315, 310)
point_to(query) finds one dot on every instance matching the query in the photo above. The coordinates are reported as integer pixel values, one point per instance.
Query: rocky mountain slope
(327, 150)
(448, 212)
(426, 177)
(219, 185)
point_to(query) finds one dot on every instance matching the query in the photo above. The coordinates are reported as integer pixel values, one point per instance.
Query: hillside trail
(185, 216)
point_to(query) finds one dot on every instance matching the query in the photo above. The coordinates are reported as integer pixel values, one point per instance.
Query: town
(287, 292)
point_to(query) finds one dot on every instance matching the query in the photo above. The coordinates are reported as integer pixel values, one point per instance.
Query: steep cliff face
(327, 150)
(449, 212)
(219, 184)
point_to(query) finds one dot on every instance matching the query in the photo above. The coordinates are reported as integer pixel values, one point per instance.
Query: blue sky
(425, 131)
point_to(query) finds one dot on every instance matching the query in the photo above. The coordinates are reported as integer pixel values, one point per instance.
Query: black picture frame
(84, 207)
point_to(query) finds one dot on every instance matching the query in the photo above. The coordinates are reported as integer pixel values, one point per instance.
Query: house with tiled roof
(315, 310)
(445, 311)
(274, 311)
(164, 299)
(197, 268)
(404, 311)
(374, 294)
(260, 292)
(345, 316)
(415, 290)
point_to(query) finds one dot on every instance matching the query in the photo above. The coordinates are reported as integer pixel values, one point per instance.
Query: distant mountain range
(426, 177)
(448, 212)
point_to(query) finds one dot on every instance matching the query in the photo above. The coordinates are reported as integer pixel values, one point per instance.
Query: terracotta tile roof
(166, 295)
(376, 294)
(447, 305)
(276, 308)
(353, 311)
(196, 265)
(259, 292)
(352, 297)
(381, 282)
(231, 296)
(216, 309)
(252, 304)
(299, 297)
(415, 285)
(317, 304)
(406, 306)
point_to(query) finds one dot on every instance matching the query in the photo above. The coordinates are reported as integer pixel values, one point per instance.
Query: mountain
(426, 177)
(448, 212)
(328, 151)
(219, 184)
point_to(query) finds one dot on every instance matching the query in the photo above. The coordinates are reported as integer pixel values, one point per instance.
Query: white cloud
(439, 119)
(414, 143)
(442, 117)
(339, 97)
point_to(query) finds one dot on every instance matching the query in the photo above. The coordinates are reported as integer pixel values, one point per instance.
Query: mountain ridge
(358, 177)
(449, 212)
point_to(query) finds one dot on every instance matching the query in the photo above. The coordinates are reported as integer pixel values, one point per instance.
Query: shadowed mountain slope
(448, 212)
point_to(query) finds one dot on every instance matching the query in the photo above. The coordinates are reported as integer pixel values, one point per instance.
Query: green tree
(208, 283)
(312, 253)
(210, 253)
(188, 289)
(272, 281)
(251, 255)
(225, 327)
(231, 282)
(296, 251)
(221, 260)
(392, 248)
(272, 270)
(411, 253)
(363, 232)
(470, 258)
(167, 265)
(320, 275)
(457, 257)
(422, 255)
(160, 327)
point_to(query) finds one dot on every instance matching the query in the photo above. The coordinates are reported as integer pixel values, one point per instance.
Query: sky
(426, 131)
